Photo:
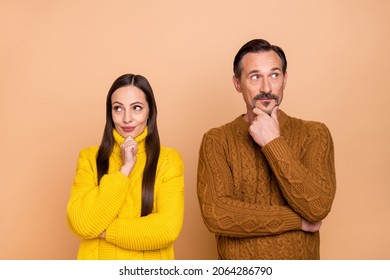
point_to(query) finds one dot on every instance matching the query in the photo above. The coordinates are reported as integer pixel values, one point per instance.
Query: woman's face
(130, 111)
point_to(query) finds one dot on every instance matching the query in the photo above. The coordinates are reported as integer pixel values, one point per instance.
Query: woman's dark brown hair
(152, 141)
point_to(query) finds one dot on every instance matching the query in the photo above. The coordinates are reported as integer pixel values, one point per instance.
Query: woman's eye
(117, 109)
(137, 108)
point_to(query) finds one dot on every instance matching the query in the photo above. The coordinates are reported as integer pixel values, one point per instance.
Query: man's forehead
(257, 60)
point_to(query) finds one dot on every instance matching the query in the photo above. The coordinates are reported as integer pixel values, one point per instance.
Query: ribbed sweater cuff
(111, 233)
(276, 149)
(292, 221)
(117, 186)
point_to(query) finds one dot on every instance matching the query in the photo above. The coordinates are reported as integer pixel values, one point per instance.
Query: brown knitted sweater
(253, 198)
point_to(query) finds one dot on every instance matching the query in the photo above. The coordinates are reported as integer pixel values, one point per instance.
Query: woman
(127, 198)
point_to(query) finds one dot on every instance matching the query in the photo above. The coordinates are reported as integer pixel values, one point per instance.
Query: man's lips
(265, 102)
(265, 98)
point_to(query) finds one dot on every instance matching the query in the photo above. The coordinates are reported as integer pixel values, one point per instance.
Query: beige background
(58, 59)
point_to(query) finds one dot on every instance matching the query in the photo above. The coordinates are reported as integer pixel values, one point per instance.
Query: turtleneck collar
(140, 139)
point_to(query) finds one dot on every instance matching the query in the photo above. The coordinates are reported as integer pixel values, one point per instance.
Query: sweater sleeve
(307, 179)
(91, 208)
(162, 227)
(222, 213)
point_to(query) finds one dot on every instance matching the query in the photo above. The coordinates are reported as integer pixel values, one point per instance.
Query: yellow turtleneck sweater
(115, 206)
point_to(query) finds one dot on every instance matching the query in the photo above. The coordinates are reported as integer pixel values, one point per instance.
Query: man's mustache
(265, 96)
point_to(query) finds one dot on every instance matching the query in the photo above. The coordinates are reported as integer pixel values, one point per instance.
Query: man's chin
(267, 109)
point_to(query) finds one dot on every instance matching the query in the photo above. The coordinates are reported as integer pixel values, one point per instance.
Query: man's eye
(255, 77)
(275, 75)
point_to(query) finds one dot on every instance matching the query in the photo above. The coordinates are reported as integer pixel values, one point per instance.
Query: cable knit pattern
(254, 198)
(115, 206)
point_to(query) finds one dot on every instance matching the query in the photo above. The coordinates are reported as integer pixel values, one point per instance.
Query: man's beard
(268, 96)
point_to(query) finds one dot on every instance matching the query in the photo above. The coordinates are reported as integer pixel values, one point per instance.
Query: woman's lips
(128, 128)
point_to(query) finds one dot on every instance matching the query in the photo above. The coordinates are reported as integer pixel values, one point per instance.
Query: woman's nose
(127, 117)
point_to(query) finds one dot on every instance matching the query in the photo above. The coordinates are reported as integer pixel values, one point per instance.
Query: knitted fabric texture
(254, 198)
(115, 206)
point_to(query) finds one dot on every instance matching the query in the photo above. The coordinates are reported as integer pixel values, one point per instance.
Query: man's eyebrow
(253, 71)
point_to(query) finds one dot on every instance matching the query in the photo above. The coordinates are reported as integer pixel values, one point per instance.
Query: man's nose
(265, 86)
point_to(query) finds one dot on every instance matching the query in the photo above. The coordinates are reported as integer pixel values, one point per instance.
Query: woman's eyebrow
(117, 102)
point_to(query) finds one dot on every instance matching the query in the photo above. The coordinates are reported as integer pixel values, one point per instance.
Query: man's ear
(236, 83)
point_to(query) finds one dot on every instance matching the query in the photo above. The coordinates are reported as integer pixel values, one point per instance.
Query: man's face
(262, 81)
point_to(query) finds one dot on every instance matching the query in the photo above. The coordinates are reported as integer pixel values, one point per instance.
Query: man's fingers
(275, 112)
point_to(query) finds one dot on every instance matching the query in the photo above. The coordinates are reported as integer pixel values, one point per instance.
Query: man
(265, 180)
